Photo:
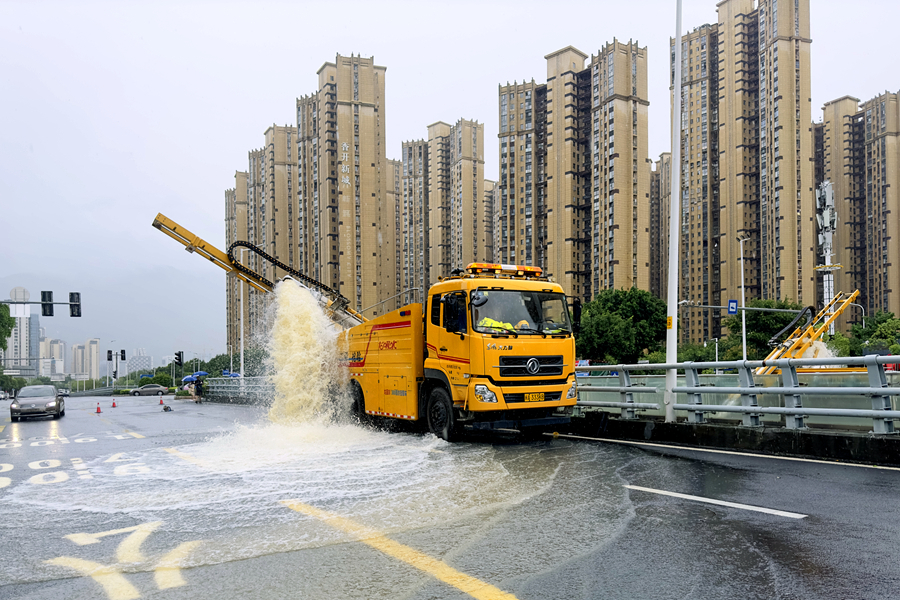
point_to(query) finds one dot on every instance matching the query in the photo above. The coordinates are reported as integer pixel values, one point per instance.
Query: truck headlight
(572, 393)
(483, 394)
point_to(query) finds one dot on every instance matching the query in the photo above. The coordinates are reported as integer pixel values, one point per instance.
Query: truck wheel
(359, 402)
(441, 421)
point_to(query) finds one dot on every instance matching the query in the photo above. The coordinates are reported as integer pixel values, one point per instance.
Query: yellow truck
(491, 348)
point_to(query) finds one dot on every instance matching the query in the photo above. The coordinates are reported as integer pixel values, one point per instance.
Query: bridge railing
(783, 394)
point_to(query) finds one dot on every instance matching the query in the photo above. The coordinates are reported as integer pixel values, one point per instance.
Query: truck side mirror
(576, 315)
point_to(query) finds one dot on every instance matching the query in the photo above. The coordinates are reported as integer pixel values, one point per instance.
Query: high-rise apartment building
(747, 167)
(22, 354)
(487, 226)
(787, 197)
(78, 359)
(92, 358)
(660, 192)
(574, 189)
(858, 151)
(415, 227)
(447, 215)
(390, 241)
(699, 272)
(343, 178)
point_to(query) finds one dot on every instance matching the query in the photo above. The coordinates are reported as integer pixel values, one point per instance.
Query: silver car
(37, 401)
(150, 389)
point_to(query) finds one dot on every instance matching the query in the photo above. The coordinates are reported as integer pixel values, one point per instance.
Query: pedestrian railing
(241, 390)
(788, 396)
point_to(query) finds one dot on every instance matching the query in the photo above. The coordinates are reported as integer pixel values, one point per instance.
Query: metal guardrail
(101, 391)
(791, 391)
(238, 389)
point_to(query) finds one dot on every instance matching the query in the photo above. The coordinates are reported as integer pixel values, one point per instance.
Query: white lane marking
(730, 452)
(768, 511)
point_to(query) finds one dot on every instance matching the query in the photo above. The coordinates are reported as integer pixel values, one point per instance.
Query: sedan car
(151, 389)
(37, 401)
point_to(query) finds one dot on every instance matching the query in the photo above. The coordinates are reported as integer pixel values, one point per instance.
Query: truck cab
(499, 340)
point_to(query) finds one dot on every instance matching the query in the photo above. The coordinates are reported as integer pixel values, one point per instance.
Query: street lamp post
(674, 237)
(863, 312)
(742, 239)
(230, 358)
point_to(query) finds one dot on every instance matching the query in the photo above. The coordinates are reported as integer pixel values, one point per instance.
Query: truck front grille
(516, 366)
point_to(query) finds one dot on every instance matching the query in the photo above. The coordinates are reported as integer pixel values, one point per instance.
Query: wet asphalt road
(212, 501)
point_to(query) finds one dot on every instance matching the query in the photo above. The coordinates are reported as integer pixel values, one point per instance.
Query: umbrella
(199, 373)
(142, 376)
(235, 375)
(189, 378)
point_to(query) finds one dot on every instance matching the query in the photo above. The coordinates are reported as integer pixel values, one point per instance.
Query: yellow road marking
(129, 549)
(2, 427)
(114, 583)
(436, 568)
(186, 457)
(133, 434)
(168, 569)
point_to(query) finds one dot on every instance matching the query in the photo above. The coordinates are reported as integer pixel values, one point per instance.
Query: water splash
(303, 348)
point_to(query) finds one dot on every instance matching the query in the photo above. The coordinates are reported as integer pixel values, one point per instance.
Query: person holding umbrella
(198, 387)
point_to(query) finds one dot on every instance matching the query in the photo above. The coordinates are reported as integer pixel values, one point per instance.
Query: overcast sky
(111, 112)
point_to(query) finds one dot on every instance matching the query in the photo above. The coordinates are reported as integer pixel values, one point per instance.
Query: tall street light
(743, 238)
(674, 238)
(863, 313)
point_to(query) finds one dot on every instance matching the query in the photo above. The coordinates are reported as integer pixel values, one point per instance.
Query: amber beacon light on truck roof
(497, 269)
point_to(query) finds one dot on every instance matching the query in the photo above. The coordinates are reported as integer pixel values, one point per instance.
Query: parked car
(151, 389)
(4, 395)
(64, 392)
(37, 401)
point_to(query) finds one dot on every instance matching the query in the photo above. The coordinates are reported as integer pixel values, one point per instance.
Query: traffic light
(109, 356)
(115, 374)
(123, 355)
(46, 304)
(179, 360)
(75, 304)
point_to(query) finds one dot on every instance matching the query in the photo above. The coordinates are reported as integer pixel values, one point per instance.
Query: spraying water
(304, 358)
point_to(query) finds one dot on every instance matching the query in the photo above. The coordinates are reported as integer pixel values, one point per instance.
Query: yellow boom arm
(193, 243)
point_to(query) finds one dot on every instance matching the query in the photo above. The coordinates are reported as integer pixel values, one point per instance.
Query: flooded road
(295, 500)
(216, 501)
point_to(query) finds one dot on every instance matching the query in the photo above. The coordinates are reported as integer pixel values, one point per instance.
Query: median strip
(768, 511)
(434, 567)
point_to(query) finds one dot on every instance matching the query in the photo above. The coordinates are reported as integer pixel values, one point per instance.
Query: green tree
(761, 326)
(618, 326)
(7, 323)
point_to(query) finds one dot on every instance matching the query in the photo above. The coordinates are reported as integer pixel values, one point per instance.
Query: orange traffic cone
(160, 401)
(114, 404)
(98, 408)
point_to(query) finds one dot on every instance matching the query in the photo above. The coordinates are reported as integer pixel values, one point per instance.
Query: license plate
(534, 397)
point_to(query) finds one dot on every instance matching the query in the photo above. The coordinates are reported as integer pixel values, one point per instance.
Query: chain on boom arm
(336, 306)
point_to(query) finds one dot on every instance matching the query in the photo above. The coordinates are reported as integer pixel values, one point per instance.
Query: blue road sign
(732, 307)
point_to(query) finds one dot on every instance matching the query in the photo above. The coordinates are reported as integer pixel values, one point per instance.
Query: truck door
(453, 343)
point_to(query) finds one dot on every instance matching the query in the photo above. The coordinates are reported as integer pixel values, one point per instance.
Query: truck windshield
(521, 312)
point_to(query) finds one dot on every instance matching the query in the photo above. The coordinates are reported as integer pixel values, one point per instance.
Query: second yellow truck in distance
(491, 348)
